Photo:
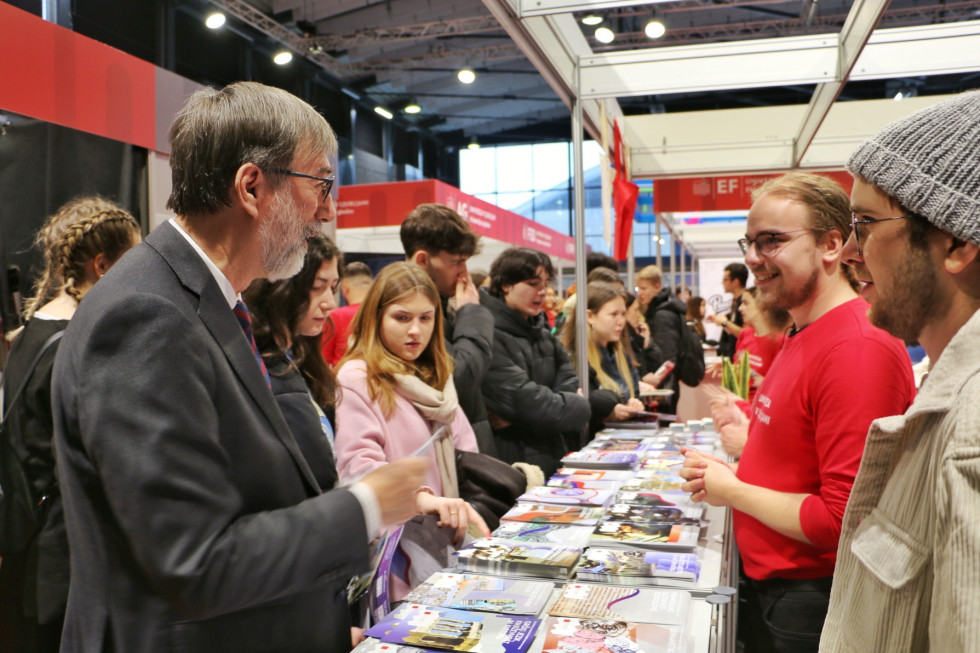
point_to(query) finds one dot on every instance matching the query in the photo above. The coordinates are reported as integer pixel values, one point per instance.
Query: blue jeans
(784, 615)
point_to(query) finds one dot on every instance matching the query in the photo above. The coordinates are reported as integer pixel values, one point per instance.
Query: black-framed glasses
(857, 232)
(768, 243)
(326, 183)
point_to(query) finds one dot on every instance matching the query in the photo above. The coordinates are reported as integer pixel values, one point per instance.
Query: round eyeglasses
(855, 227)
(768, 243)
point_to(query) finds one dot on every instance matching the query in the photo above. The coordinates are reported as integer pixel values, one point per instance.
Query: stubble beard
(284, 238)
(911, 299)
(788, 298)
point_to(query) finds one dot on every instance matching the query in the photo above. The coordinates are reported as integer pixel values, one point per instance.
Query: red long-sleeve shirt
(810, 419)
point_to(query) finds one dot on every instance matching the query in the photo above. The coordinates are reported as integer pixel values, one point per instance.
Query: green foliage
(737, 377)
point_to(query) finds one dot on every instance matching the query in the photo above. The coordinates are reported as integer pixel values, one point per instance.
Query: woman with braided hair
(79, 243)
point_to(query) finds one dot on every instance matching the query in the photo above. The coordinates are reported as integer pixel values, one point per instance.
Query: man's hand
(453, 513)
(734, 436)
(717, 318)
(709, 479)
(466, 292)
(394, 485)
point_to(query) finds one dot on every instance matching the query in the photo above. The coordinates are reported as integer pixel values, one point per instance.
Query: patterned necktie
(245, 321)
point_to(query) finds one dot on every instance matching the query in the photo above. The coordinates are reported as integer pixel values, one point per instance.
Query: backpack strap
(30, 372)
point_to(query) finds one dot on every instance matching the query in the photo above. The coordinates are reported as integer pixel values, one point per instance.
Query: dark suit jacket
(194, 522)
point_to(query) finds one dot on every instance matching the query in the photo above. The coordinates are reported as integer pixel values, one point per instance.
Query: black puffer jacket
(665, 315)
(532, 385)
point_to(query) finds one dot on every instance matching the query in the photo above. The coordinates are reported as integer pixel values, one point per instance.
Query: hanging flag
(625, 194)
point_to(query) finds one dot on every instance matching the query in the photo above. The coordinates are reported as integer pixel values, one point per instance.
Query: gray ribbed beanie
(930, 162)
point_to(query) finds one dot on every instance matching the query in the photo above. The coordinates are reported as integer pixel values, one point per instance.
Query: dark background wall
(41, 167)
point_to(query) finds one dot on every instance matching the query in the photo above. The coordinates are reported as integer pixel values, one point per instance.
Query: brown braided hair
(49, 281)
(109, 232)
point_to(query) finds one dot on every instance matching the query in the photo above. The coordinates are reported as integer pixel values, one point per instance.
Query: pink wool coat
(365, 440)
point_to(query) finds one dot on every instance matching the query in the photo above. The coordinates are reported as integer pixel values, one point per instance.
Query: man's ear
(833, 243)
(960, 254)
(420, 258)
(248, 187)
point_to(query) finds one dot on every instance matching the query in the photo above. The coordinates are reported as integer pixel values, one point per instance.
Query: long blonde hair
(599, 294)
(434, 366)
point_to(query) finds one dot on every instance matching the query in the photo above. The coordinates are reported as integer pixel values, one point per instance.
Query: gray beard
(283, 241)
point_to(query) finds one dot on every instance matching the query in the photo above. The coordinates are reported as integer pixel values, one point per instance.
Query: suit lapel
(220, 321)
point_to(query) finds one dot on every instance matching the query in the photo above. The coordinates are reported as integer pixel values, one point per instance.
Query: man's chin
(287, 267)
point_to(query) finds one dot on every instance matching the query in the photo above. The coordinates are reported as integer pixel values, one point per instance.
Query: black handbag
(21, 513)
(490, 485)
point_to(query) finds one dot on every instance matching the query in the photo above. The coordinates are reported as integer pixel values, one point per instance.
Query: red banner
(377, 205)
(723, 193)
(54, 74)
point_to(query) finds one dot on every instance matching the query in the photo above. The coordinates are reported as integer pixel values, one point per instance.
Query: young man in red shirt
(835, 374)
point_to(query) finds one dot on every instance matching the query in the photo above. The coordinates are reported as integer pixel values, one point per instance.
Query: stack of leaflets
(672, 498)
(609, 443)
(575, 496)
(509, 558)
(652, 514)
(482, 593)
(575, 536)
(623, 567)
(446, 629)
(636, 604)
(540, 513)
(599, 479)
(612, 635)
(599, 459)
(654, 480)
(655, 535)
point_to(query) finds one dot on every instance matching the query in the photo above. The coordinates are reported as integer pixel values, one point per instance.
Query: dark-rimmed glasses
(857, 233)
(326, 182)
(768, 243)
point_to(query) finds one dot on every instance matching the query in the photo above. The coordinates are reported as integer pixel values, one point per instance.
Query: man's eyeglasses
(857, 232)
(768, 244)
(326, 183)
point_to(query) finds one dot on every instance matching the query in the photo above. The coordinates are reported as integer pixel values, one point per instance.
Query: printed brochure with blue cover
(456, 630)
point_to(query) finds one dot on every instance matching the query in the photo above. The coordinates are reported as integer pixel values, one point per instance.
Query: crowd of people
(214, 442)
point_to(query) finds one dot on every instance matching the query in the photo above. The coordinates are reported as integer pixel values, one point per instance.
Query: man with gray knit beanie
(908, 566)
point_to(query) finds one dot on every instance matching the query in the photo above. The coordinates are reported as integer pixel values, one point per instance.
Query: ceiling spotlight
(474, 144)
(381, 111)
(604, 35)
(215, 20)
(898, 97)
(466, 75)
(283, 57)
(592, 19)
(655, 29)
(412, 107)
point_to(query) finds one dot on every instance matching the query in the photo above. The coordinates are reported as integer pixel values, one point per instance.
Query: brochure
(623, 534)
(640, 604)
(563, 634)
(456, 630)
(567, 496)
(498, 556)
(624, 567)
(541, 513)
(482, 593)
(575, 536)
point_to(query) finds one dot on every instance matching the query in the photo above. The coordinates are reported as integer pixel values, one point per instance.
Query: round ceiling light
(413, 107)
(283, 57)
(604, 35)
(466, 75)
(592, 19)
(655, 29)
(215, 20)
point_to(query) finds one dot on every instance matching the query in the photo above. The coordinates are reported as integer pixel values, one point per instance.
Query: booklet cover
(563, 634)
(497, 556)
(651, 514)
(567, 496)
(624, 534)
(599, 459)
(456, 630)
(640, 604)
(574, 536)
(626, 567)
(661, 481)
(541, 513)
(671, 498)
(577, 474)
(482, 593)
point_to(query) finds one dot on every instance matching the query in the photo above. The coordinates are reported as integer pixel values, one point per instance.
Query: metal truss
(406, 33)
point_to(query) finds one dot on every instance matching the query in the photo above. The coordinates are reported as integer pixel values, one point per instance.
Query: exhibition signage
(722, 193)
(384, 205)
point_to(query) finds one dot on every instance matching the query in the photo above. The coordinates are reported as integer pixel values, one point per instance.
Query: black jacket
(532, 385)
(665, 315)
(469, 340)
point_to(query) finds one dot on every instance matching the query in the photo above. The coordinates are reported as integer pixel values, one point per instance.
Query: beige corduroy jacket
(908, 565)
